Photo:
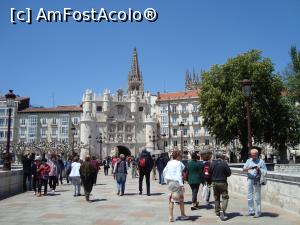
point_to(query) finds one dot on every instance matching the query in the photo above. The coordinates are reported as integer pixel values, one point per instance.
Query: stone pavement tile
(108, 222)
(53, 216)
(130, 209)
(141, 214)
(109, 207)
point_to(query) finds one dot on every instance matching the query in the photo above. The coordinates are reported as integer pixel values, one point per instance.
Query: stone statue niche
(120, 94)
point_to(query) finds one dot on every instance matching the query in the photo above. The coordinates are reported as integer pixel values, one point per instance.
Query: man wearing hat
(219, 171)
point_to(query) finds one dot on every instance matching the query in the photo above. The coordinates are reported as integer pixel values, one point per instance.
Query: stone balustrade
(11, 182)
(282, 190)
(287, 168)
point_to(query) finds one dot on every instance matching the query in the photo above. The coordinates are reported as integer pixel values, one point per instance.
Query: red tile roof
(177, 95)
(18, 98)
(69, 108)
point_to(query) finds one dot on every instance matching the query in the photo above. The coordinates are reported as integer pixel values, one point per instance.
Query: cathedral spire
(135, 79)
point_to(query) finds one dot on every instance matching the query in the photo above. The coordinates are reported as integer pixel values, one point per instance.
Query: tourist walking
(27, 172)
(145, 165)
(75, 176)
(154, 168)
(53, 174)
(219, 171)
(96, 166)
(173, 175)
(68, 167)
(120, 174)
(41, 173)
(195, 178)
(161, 163)
(206, 158)
(134, 166)
(113, 162)
(60, 169)
(35, 177)
(106, 166)
(87, 175)
(255, 168)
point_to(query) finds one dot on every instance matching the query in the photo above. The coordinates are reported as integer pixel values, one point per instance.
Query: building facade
(119, 123)
(49, 124)
(180, 121)
(20, 103)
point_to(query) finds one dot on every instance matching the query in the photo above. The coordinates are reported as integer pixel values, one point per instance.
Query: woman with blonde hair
(173, 175)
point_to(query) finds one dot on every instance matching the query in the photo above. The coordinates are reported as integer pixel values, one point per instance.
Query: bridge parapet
(11, 183)
(282, 190)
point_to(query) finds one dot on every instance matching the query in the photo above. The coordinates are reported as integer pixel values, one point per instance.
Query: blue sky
(64, 59)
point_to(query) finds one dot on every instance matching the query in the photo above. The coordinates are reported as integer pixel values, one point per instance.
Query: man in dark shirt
(27, 171)
(145, 165)
(219, 171)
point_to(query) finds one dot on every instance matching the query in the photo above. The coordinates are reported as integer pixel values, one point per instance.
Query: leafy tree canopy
(223, 102)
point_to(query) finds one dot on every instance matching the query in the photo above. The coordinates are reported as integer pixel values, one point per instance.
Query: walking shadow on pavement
(131, 194)
(53, 194)
(189, 218)
(269, 214)
(232, 215)
(98, 200)
(156, 194)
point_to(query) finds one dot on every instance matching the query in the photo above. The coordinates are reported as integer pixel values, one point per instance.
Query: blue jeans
(161, 177)
(121, 180)
(254, 191)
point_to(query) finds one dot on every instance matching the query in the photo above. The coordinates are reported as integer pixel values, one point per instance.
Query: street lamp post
(246, 84)
(164, 136)
(10, 100)
(90, 138)
(100, 141)
(73, 129)
(181, 125)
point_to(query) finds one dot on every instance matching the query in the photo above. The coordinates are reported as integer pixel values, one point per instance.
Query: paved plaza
(107, 208)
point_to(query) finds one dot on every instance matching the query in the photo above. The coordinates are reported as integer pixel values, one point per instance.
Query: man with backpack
(219, 171)
(145, 164)
(206, 157)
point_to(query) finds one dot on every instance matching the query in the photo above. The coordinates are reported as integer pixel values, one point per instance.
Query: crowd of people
(199, 171)
(39, 172)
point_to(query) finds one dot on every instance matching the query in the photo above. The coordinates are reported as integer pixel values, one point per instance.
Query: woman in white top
(75, 176)
(173, 175)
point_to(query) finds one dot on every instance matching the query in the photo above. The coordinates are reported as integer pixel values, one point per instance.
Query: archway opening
(123, 150)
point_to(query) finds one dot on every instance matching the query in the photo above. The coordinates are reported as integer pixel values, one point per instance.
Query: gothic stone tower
(135, 80)
(192, 81)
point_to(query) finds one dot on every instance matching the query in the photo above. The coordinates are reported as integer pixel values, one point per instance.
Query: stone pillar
(106, 97)
(150, 128)
(87, 125)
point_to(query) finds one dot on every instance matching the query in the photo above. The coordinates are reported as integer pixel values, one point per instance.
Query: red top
(95, 164)
(43, 170)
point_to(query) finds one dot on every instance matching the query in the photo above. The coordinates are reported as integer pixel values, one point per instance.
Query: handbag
(262, 179)
(185, 175)
(205, 192)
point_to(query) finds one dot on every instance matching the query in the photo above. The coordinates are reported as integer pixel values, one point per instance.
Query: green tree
(293, 74)
(223, 103)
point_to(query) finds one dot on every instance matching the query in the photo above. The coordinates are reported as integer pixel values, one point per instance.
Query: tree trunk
(244, 153)
(283, 154)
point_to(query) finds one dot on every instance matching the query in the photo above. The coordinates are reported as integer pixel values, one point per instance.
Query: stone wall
(11, 183)
(287, 168)
(282, 190)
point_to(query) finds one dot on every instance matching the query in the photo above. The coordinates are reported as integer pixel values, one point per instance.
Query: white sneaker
(53, 191)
